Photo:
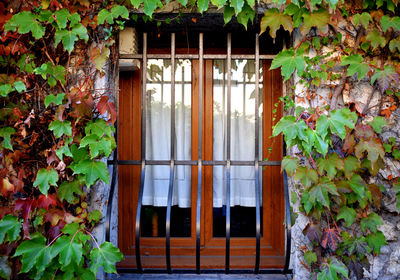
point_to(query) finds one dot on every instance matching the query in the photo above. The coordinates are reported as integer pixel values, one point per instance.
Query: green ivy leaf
(5, 269)
(106, 256)
(385, 77)
(74, 19)
(356, 65)
(305, 200)
(310, 257)
(395, 44)
(237, 5)
(289, 164)
(351, 164)
(378, 123)
(63, 150)
(376, 241)
(26, 64)
(69, 37)
(51, 73)
(34, 252)
(371, 222)
(94, 216)
(319, 19)
(291, 129)
(251, 3)
(6, 133)
(215, 2)
(150, 6)
(25, 22)
(120, 11)
(99, 127)
(228, 14)
(46, 178)
(274, 19)
(246, 14)
(319, 192)
(296, 12)
(306, 175)
(92, 170)
(70, 251)
(320, 145)
(330, 165)
(5, 89)
(69, 191)
(387, 22)
(339, 119)
(56, 99)
(358, 185)
(60, 128)
(364, 19)
(376, 39)
(11, 226)
(104, 16)
(289, 61)
(347, 214)
(136, 3)
(62, 17)
(330, 270)
(96, 145)
(19, 86)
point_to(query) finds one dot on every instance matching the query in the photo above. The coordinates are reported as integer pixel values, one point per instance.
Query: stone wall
(367, 100)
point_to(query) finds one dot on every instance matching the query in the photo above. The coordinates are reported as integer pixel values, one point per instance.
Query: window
(218, 103)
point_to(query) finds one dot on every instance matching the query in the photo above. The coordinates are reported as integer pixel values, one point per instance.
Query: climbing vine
(56, 125)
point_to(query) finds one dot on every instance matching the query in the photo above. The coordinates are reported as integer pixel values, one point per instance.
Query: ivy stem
(54, 240)
(336, 226)
(94, 239)
(73, 237)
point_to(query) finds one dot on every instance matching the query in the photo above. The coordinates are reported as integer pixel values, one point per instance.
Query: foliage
(52, 139)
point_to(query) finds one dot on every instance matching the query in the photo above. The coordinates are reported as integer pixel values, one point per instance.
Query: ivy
(44, 179)
(62, 139)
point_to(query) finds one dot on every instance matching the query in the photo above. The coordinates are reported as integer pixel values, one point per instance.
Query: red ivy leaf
(56, 230)
(365, 131)
(25, 205)
(45, 201)
(330, 238)
(105, 106)
(349, 143)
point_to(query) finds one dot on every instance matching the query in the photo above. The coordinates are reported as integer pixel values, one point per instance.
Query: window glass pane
(242, 109)
(183, 109)
(158, 147)
(242, 199)
(158, 121)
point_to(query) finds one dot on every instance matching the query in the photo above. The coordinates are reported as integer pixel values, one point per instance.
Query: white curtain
(158, 133)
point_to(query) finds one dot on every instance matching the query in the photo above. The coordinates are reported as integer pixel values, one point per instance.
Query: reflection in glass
(158, 145)
(242, 144)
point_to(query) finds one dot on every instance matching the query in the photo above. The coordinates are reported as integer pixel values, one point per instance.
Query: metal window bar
(228, 162)
(228, 155)
(197, 56)
(256, 159)
(143, 154)
(172, 160)
(200, 154)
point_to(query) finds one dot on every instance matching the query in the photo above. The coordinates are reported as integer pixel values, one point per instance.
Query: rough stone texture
(365, 99)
